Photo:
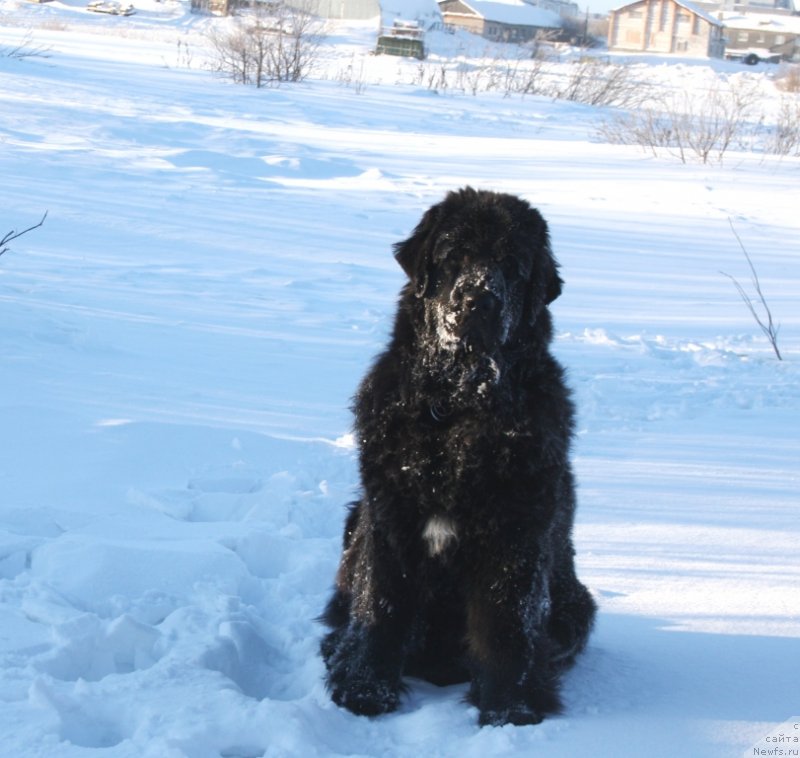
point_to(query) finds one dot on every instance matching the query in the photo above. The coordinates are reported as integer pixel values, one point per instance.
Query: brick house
(665, 26)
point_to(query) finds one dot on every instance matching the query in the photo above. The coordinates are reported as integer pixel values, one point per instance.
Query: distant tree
(583, 31)
(598, 29)
(12, 235)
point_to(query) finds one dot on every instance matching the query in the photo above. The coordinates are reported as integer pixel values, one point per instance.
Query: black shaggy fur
(458, 558)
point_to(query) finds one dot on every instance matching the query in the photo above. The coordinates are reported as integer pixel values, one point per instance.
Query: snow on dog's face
(481, 271)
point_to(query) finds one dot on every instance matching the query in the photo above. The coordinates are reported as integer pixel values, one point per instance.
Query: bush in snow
(590, 80)
(784, 138)
(690, 126)
(268, 44)
(593, 81)
(788, 78)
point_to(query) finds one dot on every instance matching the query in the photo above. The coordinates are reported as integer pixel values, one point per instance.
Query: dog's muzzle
(477, 303)
(479, 321)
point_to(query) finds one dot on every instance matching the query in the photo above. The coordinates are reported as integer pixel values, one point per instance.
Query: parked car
(751, 56)
(113, 8)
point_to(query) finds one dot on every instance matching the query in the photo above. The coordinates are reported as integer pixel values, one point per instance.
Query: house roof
(763, 22)
(689, 6)
(514, 12)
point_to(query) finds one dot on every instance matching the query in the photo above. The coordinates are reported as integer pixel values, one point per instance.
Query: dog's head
(482, 273)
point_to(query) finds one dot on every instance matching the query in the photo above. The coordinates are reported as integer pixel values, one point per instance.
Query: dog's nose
(479, 303)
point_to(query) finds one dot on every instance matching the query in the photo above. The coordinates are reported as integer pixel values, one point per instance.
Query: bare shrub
(232, 53)
(183, 56)
(433, 75)
(649, 128)
(784, 137)
(269, 43)
(297, 37)
(469, 77)
(788, 78)
(594, 81)
(686, 125)
(726, 115)
(527, 77)
(590, 82)
(492, 74)
(353, 75)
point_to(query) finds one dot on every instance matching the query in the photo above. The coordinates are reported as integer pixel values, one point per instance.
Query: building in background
(754, 37)
(665, 26)
(500, 20)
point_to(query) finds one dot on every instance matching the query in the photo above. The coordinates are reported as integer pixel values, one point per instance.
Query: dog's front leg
(370, 616)
(513, 680)
(364, 669)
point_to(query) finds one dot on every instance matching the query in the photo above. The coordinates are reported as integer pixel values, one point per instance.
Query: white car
(108, 6)
(750, 56)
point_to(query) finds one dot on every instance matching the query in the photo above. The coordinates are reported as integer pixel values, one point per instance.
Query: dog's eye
(513, 268)
(444, 251)
(510, 267)
(444, 274)
(440, 280)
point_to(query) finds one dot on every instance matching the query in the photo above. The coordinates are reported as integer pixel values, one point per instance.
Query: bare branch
(12, 235)
(770, 329)
(25, 50)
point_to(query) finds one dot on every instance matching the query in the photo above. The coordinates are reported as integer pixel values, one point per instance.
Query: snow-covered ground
(179, 342)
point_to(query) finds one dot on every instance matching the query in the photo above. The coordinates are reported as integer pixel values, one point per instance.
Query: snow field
(179, 343)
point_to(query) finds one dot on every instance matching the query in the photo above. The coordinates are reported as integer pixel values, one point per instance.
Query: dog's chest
(454, 476)
(452, 457)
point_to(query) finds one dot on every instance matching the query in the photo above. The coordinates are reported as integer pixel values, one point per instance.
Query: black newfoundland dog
(458, 558)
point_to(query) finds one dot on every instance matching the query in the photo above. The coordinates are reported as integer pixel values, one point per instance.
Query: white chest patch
(439, 532)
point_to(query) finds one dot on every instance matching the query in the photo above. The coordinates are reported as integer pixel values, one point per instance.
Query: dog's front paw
(519, 716)
(366, 698)
(363, 671)
(502, 701)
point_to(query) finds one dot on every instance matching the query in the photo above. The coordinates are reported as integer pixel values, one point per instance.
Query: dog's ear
(554, 282)
(546, 262)
(414, 254)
